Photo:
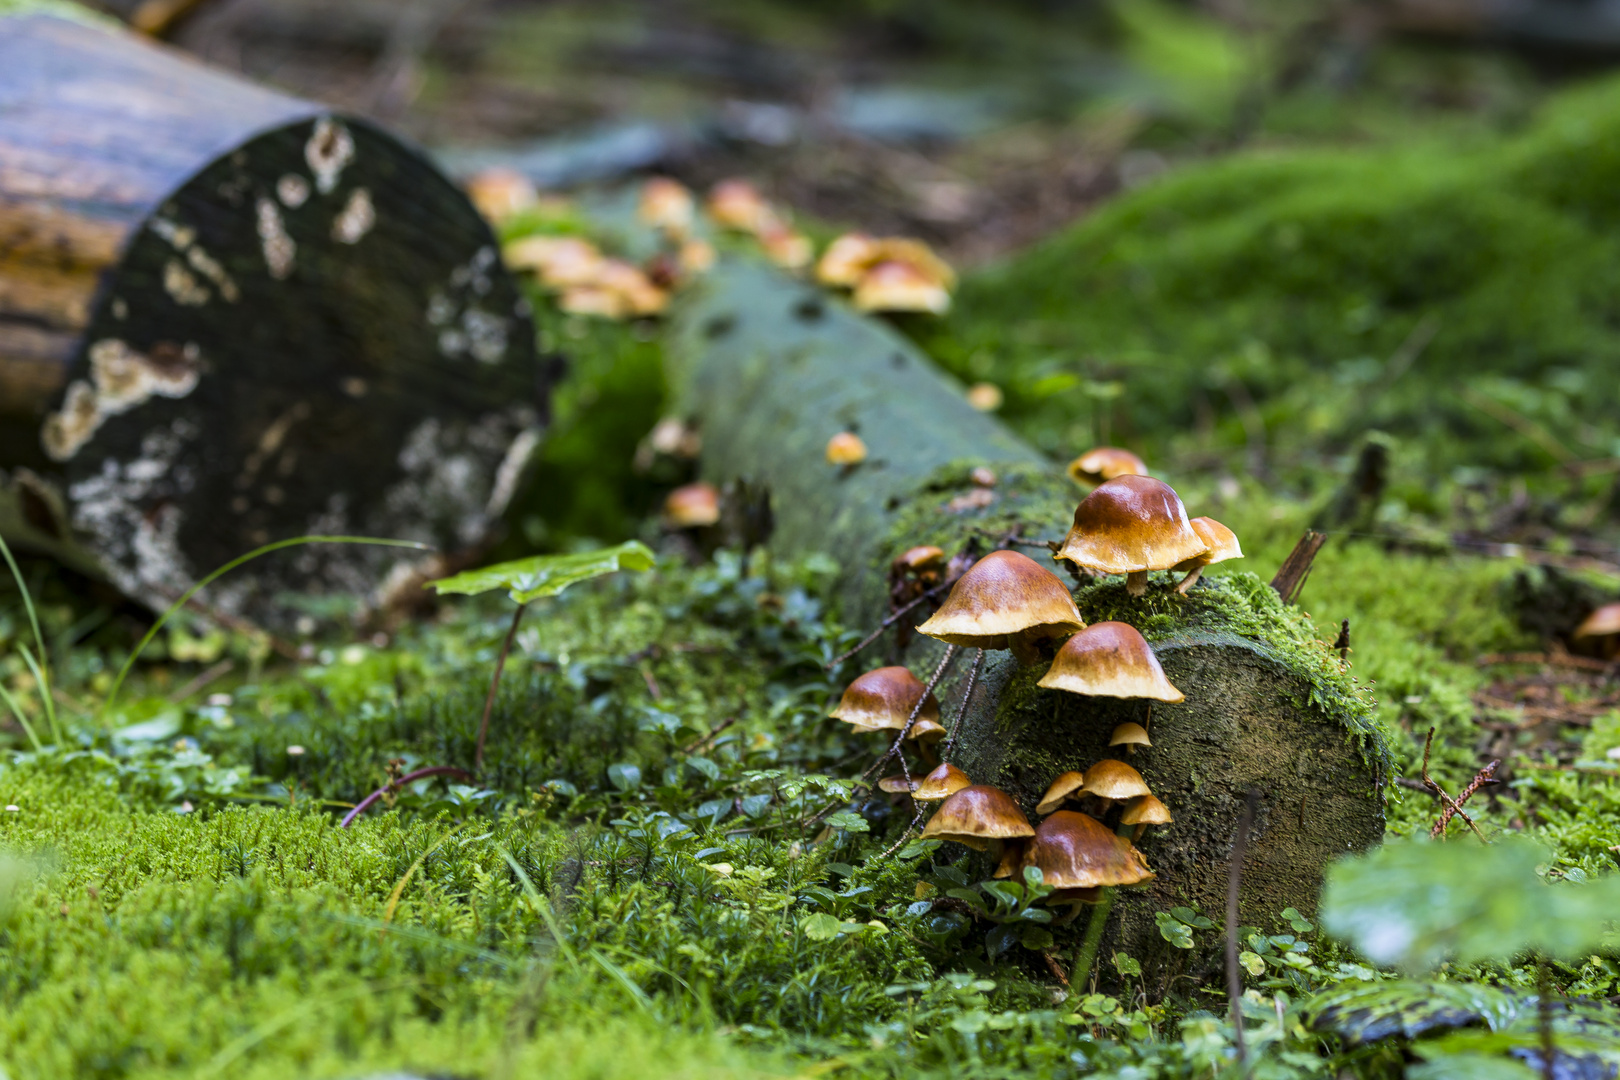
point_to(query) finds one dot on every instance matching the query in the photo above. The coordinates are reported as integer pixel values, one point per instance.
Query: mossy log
(769, 368)
(227, 317)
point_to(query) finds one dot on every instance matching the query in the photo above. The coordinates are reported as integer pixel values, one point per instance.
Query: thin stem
(1081, 972)
(43, 676)
(494, 684)
(135, 653)
(16, 710)
(956, 725)
(893, 618)
(394, 785)
(944, 662)
(1234, 882)
(1544, 1022)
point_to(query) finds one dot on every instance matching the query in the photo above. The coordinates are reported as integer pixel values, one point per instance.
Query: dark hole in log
(719, 326)
(809, 309)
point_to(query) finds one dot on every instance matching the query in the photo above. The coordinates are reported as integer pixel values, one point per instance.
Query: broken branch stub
(228, 316)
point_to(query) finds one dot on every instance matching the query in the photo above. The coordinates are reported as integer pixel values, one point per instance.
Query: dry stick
(1234, 880)
(893, 618)
(1544, 1021)
(1296, 568)
(1438, 790)
(956, 725)
(1487, 775)
(394, 785)
(494, 684)
(894, 749)
(703, 740)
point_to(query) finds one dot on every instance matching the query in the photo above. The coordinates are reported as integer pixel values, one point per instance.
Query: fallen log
(770, 368)
(229, 317)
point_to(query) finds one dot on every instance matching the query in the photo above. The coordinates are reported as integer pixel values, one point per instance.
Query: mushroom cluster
(737, 206)
(893, 273)
(586, 281)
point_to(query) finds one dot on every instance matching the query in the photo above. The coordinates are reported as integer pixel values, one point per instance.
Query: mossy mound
(1320, 293)
(1267, 708)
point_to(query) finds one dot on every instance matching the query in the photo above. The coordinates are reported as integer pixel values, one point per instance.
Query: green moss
(1293, 278)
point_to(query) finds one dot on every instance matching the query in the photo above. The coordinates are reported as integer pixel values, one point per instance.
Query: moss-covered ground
(659, 868)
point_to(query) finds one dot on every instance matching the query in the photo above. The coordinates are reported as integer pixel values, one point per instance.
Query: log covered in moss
(769, 368)
(227, 317)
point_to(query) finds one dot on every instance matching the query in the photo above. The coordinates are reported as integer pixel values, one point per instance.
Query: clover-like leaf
(547, 575)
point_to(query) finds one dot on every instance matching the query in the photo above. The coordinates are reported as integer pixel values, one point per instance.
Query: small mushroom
(942, 783)
(1142, 811)
(737, 205)
(846, 448)
(1005, 601)
(985, 396)
(692, 506)
(1131, 525)
(976, 816)
(1012, 857)
(882, 700)
(846, 259)
(1058, 792)
(920, 560)
(1130, 736)
(1103, 463)
(498, 193)
(896, 785)
(1110, 659)
(695, 257)
(1114, 781)
(1223, 545)
(1603, 625)
(784, 246)
(641, 297)
(901, 286)
(666, 204)
(1076, 851)
(560, 262)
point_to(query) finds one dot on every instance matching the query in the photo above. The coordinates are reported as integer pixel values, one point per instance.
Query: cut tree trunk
(229, 317)
(769, 368)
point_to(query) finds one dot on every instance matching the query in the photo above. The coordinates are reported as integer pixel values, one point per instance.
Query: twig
(394, 785)
(1296, 568)
(703, 740)
(494, 684)
(1053, 966)
(203, 678)
(1234, 881)
(1487, 775)
(1342, 642)
(916, 710)
(893, 618)
(1438, 790)
(956, 725)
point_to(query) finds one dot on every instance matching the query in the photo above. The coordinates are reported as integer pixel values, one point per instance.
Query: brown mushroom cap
(1222, 543)
(1059, 790)
(920, 558)
(883, 698)
(1128, 734)
(900, 286)
(1115, 780)
(1601, 623)
(976, 815)
(666, 204)
(1105, 463)
(895, 785)
(846, 259)
(942, 783)
(1004, 593)
(1131, 524)
(1075, 851)
(1146, 810)
(693, 505)
(737, 204)
(1110, 659)
(1012, 858)
(846, 448)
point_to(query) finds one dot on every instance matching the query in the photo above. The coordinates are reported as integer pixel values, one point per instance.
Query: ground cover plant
(662, 858)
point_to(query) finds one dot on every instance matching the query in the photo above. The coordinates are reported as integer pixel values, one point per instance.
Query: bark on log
(228, 317)
(770, 368)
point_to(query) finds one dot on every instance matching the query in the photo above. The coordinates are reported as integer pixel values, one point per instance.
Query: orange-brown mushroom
(883, 700)
(1603, 625)
(1223, 545)
(846, 448)
(846, 259)
(1012, 857)
(977, 815)
(1130, 736)
(1058, 792)
(922, 559)
(560, 262)
(1104, 463)
(737, 204)
(1114, 781)
(692, 506)
(1005, 601)
(1142, 811)
(942, 783)
(1075, 851)
(895, 785)
(1131, 525)
(901, 286)
(498, 193)
(666, 204)
(1110, 659)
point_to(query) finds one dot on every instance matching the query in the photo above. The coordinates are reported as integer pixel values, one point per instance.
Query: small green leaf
(821, 926)
(624, 776)
(1253, 963)
(1126, 964)
(1300, 923)
(547, 575)
(849, 821)
(1035, 939)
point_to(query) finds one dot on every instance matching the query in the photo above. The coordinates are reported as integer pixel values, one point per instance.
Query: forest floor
(1388, 321)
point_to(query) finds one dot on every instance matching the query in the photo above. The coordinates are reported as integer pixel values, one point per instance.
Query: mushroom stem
(1023, 649)
(1188, 581)
(1137, 834)
(1136, 582)
(1081, 972)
